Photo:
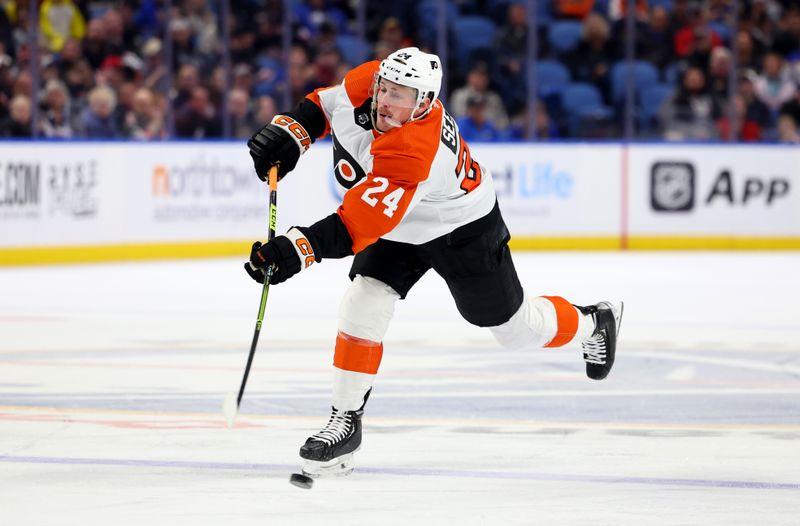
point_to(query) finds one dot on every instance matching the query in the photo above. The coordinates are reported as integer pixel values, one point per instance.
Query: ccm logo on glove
(288, 254)
(299, 133)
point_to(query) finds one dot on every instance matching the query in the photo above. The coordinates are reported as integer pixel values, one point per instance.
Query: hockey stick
(230, 406)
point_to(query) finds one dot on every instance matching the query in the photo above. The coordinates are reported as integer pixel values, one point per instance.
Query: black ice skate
(330, 451)
(600, 348)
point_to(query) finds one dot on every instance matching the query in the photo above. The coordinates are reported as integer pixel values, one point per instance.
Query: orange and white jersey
(411, 184)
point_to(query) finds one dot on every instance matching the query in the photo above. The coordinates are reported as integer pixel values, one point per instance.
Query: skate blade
(338, 467)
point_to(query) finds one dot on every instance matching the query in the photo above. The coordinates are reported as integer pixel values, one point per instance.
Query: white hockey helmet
(416, 69)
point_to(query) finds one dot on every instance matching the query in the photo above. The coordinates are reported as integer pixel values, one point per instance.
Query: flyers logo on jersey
(346, 169)
(295, 129)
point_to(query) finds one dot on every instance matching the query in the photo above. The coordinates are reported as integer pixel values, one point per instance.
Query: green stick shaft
(273, 219)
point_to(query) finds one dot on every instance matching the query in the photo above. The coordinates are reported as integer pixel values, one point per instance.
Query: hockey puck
(301, 481)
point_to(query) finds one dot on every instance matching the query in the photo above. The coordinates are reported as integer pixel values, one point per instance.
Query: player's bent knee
(367, 308)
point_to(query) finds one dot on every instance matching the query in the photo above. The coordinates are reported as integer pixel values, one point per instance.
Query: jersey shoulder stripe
(358, 82)
(405, 154)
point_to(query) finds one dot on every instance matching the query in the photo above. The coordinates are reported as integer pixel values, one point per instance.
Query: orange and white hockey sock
(356, 362)
(570, 322)
(364, 316)
(544, 321)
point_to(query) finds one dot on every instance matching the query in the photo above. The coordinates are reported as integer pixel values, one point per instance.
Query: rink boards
(97, 201)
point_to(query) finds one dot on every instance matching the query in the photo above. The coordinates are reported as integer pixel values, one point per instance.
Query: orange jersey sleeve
(402, 159)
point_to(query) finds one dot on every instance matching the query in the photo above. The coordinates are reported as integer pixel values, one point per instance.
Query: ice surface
(112, 379)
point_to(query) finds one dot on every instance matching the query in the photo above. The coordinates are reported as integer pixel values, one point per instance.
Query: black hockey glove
(282, 141)
(289, 254)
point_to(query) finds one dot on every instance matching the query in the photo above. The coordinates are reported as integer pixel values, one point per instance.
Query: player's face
(395, 104)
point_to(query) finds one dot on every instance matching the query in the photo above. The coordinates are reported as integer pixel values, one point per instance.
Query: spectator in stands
(312, 14)
(478, 84)
(719, 71)
(21, 33)
(111, 73)
(243, 48)
(242, 121)
(203, 22)
(132, 67)
(184, 51)
(691, 112)
(619, 28)
(510, 52)
(591, 60)
(757, 20)
(326, 66)
(392, 36)
(268, 32)
(18, 123)
(198, 118)
(49, 68)
(475, 126)
(55, 119)
(243, 77)
(657, 38)
(23, 84)
(694, 41)
(6, 83)
(774, 86)
(71, 54)
(326, 37)
(739, 128)
(519, 127)
(792, 107)
(188, 77)
(58, 21)
(747, 55)
(115, 32)
(154, 71)
(217, 90)
(145, 120)
(756, 110)
(705, 41)
(97, 120)
(787, 130)
(95, 48)
(265, 109)
(301, 74)
(125, 96)
(787, 40)
(79, 80)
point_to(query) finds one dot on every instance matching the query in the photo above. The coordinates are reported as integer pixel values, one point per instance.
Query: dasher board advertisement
(736, 191)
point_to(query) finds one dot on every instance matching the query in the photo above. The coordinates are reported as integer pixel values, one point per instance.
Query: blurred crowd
(134, 69)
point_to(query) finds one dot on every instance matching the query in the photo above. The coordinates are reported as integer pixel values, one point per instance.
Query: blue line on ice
(419, 472)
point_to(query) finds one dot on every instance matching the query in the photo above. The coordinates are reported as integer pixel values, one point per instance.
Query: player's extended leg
(476, 263)
(364, 316)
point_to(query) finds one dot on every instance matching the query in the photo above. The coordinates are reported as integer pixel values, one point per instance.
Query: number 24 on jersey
(391, 200)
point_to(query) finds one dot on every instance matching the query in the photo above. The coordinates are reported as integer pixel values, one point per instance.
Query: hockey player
(415, 199)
